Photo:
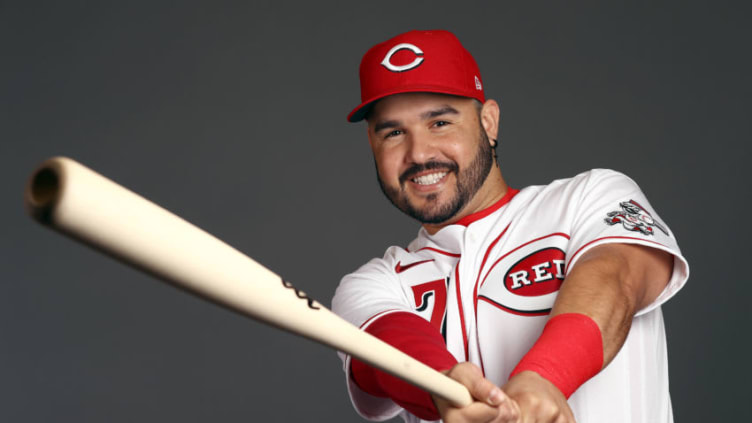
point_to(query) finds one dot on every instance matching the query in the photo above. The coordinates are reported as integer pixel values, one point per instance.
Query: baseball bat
(76, 201)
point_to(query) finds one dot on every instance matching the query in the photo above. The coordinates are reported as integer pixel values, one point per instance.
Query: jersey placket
(465, 280)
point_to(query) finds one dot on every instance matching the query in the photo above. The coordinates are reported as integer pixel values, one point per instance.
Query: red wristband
(568, 352)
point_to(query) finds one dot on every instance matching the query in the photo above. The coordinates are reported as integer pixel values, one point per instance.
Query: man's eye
(393, 133)
(441, 123)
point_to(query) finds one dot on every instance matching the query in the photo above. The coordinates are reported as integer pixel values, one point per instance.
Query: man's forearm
(609, 284)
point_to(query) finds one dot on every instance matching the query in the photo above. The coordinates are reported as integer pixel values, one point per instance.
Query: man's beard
(469, 182)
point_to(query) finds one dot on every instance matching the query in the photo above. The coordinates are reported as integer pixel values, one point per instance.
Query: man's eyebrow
(444, 110)
(384, 125)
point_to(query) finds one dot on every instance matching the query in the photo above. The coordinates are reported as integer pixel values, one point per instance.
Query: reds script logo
(526, 280)
(634, 218)
(387, 62)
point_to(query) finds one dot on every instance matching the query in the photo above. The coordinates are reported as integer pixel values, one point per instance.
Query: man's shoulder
(590, 176)
(391, 263)
(385, 263)
(583, 181)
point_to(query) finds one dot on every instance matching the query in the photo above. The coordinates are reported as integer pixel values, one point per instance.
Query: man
(544, 302)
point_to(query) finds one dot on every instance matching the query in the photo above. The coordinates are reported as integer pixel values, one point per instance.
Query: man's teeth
(429, 179)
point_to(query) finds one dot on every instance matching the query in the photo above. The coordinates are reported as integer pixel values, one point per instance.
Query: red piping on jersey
(483, 263)
(475, 288)
(446, 253)
(513, 311)
(510, 252)
(459, 303)
(566, 269)
(470, 218)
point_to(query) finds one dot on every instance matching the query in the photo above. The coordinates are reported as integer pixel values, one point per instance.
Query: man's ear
(489, 119)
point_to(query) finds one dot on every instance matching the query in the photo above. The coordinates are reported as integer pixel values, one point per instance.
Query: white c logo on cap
(387, 59)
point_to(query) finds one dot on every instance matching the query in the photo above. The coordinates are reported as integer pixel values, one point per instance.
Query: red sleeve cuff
(417, 338)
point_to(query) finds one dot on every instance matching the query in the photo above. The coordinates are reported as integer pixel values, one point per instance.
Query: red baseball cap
(417, 61)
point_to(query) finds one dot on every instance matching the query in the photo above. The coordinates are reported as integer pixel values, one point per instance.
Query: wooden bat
(83, 204)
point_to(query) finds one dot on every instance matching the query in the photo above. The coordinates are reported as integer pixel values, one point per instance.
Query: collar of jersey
(448, 239)
(467, 220)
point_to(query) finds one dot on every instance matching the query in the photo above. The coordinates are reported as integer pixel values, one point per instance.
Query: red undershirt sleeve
(417, 338)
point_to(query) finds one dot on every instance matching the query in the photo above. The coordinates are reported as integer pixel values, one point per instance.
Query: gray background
(232, 115)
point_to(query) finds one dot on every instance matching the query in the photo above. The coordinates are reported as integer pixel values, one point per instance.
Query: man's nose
(421, 148)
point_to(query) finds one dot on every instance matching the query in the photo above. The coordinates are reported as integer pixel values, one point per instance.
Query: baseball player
(544, 301)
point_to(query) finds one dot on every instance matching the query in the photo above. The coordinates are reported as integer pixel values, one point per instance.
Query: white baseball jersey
(489, 282)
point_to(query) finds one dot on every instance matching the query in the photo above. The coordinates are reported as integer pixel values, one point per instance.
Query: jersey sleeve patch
(634, 218)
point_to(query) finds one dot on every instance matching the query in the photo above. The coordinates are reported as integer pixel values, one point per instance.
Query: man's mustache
(420, 167)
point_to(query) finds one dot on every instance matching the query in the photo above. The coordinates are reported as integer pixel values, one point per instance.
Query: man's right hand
(491, 405)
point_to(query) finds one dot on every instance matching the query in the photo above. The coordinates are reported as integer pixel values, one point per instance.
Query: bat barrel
(83, 204)
(75, 200)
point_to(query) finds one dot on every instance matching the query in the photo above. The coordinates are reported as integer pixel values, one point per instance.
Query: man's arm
(608, 285)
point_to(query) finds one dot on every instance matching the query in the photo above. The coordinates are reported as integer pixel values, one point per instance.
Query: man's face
(432, 154)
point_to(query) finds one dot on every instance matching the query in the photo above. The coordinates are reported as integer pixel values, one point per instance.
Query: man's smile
(429, 179)
(427, 174)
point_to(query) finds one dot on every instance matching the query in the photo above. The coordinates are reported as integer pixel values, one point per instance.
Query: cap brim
(359, 113)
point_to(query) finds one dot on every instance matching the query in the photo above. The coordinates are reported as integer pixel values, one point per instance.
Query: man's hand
(538, 399)
(491, 404)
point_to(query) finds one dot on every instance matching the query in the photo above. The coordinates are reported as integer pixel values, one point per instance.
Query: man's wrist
(567, 354)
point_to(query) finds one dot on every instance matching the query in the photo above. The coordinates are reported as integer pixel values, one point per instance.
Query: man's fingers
(493, 405)
(511, 411)
(496, 396)
(481, 412)
(508, 409)
(480, 388)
